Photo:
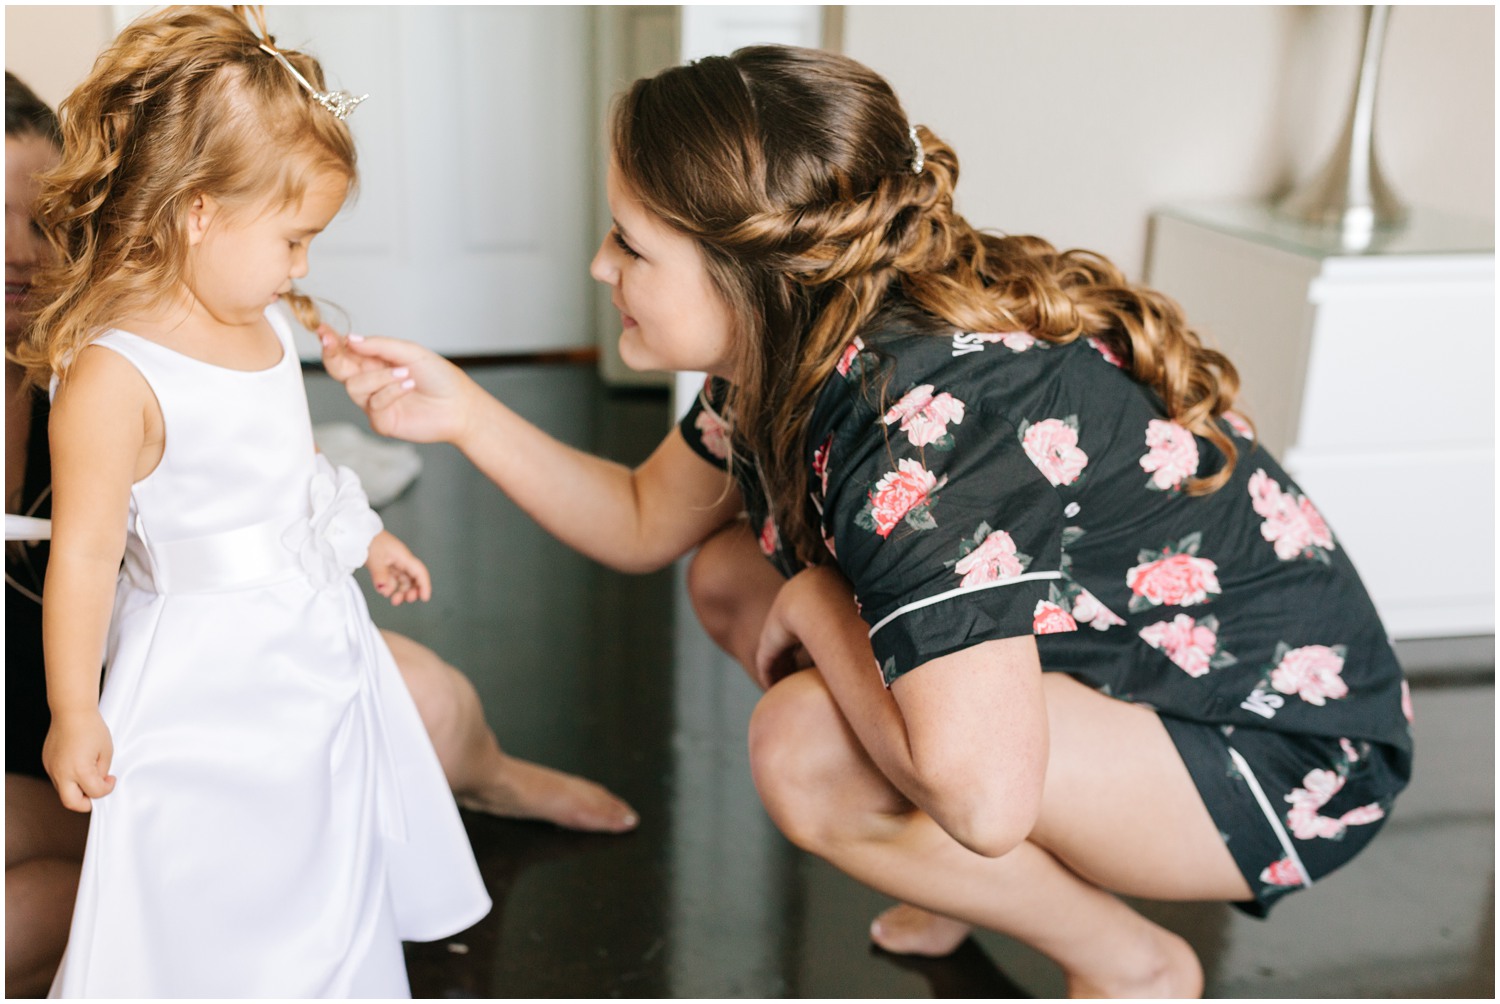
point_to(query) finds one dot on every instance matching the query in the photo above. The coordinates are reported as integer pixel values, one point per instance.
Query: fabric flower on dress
(1312, 672)
(1052, 445)
(904, 495)
(1172, 577)
(1292, 523)
(990, 557)
(924, 417)
(1172, 455)
(335, 539)
(1406, 708)
(1319, 787)
(715, 433)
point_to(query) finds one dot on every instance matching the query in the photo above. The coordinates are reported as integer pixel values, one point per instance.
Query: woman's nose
(602, 268)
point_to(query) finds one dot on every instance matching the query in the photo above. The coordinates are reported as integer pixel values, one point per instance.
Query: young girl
(268, 816)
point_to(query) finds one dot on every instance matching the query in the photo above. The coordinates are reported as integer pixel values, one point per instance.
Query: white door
(471, 229)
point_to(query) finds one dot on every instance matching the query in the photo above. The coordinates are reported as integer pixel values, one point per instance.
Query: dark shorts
(1290, 808)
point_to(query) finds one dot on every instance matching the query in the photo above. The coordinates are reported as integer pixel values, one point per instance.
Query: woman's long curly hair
(184, 103)
(792, 169)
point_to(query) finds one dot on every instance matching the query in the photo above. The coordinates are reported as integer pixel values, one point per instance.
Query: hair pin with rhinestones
(919, 159)
(340, 103)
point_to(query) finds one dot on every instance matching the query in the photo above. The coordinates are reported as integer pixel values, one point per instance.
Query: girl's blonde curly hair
(184, 103)
(792, 169)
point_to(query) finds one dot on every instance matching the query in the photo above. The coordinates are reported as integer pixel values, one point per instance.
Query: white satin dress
(280, 821)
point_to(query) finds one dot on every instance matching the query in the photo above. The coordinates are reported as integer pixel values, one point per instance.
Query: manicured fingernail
(355, 338)
(408, 384)
(400, 371)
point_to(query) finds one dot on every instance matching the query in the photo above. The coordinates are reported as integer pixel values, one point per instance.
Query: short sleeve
(704, 426)
(947, 530)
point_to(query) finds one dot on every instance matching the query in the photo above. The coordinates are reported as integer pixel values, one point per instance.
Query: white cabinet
(1372, 377)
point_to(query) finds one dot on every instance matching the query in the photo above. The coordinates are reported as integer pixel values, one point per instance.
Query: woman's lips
(15, 292)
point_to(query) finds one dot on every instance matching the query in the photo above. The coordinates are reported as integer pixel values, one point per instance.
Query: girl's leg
(1119, 812)
(483, 777)
(43, 853)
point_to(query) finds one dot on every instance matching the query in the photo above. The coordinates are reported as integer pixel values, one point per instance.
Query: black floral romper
(976, 486)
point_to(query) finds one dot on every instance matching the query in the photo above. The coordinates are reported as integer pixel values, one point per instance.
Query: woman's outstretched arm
(964, 736)
(634, 520)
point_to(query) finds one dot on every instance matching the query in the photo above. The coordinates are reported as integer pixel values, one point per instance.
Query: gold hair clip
(340, 103)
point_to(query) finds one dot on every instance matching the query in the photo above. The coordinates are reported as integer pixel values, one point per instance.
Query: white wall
(1072, 123)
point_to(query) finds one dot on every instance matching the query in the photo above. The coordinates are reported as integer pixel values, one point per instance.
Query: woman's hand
(408, 391)
(398, 574)
(77, 755)
(812, 598)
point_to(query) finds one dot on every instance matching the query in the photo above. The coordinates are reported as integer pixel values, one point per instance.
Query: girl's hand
(397, 573)
(77, 755)
(408, 391)
(812, 597)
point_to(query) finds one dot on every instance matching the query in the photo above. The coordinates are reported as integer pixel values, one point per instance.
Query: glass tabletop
(1425, 231)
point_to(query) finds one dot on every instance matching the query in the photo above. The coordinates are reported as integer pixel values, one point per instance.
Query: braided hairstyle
(792, 169)
(183, 103)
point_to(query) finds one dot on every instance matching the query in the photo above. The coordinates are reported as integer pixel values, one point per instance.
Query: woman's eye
(620, 241)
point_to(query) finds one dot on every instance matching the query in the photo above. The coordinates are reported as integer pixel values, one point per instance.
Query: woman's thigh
(37, 825)
(1119, 806)
(732, 587)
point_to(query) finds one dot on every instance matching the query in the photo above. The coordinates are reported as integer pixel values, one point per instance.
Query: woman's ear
(201, 213)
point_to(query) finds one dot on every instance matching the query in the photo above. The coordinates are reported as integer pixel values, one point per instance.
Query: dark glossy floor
(610, 676)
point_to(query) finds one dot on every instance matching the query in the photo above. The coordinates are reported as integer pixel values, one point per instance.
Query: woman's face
(672, 315)
(25, 248)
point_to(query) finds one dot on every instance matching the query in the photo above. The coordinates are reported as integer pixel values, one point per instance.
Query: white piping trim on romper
(929, 601)
(1265, 807)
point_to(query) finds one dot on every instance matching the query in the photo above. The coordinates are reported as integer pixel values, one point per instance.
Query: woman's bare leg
(43, 853)
(482, 776)
(1119, 813)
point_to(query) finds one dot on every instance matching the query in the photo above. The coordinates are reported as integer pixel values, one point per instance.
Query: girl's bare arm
(102, 420)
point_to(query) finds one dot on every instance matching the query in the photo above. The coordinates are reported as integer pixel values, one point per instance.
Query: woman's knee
(715, 581)
(811, 774)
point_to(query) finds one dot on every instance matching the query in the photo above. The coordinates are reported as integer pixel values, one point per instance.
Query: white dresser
(1371, 376)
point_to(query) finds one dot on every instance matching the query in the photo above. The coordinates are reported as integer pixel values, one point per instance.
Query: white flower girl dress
(280, 821)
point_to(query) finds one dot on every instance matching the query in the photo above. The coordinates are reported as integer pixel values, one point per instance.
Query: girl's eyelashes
(620, 241)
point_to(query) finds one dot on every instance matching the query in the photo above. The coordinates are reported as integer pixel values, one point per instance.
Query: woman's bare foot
(910, 930)
(1168, 968)
(523, 790)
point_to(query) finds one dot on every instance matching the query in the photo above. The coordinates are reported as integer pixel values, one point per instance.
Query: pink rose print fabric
(1052, 445)
(989, 556)
(1050, 618)
(1192, 644)
(1291, 523)
(925, 416)
(1312, 672)
(714, 433)
(1238, 424)
(1171, 457)
(905, 496)
(769, 538)
(1173, 576)
(1102, 347)
(1016, 341)
(1088, 610)
(1318, 787)
(847, 364)
(820, 463)
(1281, 873)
